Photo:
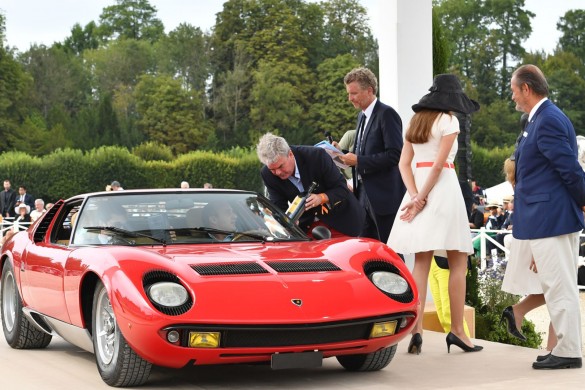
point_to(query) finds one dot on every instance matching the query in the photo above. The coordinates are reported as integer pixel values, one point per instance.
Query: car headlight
(168, 294)
(389, 282)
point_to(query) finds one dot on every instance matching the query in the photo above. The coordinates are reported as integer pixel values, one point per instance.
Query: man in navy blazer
(377, 181)
(289, 171)
(548, 216)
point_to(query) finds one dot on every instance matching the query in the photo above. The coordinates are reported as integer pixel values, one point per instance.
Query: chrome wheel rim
(106, 339)
(9, 301)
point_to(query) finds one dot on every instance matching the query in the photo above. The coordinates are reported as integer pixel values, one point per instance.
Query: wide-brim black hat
(447, 95)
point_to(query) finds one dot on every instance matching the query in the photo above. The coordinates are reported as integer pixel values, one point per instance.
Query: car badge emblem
(297, 302)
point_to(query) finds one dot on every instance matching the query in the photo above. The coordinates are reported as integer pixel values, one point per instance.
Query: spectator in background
(184, 185)
(48, 206)
(116, 186)
(25, 198)
(476, 217)
(207, 185)
(39, 210)
(346, 144)
(7, 200)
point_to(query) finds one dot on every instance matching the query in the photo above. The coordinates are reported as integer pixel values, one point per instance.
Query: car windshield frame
(180, 217)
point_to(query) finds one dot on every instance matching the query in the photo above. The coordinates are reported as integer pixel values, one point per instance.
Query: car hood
(285, 282)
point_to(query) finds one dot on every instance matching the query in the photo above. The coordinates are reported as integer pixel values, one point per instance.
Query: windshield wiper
(256, 236)
(125, 232)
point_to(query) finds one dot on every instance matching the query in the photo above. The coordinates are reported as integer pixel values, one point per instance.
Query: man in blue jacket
(549, 197)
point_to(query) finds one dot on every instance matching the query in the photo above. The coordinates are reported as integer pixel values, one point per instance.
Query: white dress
(442, 224)
(519, 279)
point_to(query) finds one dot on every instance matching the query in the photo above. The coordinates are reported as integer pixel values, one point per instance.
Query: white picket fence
(483, 237)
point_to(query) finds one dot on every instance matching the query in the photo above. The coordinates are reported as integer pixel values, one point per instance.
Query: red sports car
(182, 277)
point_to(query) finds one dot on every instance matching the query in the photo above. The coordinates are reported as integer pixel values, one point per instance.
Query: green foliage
(332, 111)
(130, 19)
(153, 151)
(169, 114)
(486, 295)
(440, 47)
(488, 164)
(572, 28)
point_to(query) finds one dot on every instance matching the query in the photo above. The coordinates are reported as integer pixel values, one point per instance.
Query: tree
(183, 54)
(82, 39)
(346, 31)
(130, 19)
(509, 27)
(230, 106)
(572, 28)
(565, 74)
(332, 112)
(280, 102)
(169, 114)
(465, 25)
(59, 79)
(119, 64)
(440, 46)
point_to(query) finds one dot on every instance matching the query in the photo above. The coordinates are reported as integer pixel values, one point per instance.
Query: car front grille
(258, 336)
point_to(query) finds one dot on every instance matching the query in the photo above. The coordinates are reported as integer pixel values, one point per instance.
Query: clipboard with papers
(333, 152)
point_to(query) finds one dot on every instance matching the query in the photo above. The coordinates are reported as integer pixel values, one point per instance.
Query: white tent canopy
(496, 193)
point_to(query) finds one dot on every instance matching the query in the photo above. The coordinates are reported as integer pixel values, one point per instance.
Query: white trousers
(556, 259)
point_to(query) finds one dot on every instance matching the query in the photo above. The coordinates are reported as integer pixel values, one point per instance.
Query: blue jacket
(550, 183)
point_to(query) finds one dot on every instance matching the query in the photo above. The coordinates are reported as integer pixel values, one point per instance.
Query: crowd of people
(410, 197)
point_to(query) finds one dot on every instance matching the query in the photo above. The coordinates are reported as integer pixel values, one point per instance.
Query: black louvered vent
(157, 276)
(44, 224)
(303, 266)
(229, 269)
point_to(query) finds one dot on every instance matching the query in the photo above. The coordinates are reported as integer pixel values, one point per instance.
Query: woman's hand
(411, 209)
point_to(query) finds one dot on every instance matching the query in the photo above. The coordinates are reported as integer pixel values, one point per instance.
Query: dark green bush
(484, 293)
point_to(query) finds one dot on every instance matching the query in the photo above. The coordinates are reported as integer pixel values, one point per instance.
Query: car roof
(146, 191)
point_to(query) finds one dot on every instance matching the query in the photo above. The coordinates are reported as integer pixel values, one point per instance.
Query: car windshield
(178, 218)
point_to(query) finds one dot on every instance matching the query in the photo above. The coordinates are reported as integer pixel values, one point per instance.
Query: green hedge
(68, 172)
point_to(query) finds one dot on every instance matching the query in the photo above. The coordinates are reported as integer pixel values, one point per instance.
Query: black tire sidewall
(108, 371)
(12, 337)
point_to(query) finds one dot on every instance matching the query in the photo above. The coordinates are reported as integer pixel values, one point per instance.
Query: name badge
(525, 134)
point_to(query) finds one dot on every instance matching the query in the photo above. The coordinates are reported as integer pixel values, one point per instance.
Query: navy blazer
(346, 215)
(378, 159)
(550, 183)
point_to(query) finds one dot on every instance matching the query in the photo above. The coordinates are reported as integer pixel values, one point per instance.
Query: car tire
(368, 362)
(19, 332)
(117, 363)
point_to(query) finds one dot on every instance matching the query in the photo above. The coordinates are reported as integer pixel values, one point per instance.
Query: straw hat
(22, 205)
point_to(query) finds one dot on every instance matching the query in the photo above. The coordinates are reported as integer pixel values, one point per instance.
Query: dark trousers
(376, 226)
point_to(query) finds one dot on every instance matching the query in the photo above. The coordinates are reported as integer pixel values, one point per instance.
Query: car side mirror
(321, 233)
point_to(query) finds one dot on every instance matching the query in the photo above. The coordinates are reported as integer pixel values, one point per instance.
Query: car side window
(64, 224)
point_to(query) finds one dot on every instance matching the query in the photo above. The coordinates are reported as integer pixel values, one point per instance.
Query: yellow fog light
(381, 329)
(204, 339)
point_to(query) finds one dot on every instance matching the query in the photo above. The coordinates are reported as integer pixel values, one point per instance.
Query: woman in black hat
(432, 218)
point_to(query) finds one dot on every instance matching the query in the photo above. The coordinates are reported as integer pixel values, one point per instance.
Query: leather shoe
(555, 362)
(541, 358)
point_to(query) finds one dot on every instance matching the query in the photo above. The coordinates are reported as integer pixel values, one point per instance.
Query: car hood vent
(229, 269)
(303, 266)
(250, 268)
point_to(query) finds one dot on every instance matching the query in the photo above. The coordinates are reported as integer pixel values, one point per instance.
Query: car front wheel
(116, 361)
(368, 362)
(18, 331)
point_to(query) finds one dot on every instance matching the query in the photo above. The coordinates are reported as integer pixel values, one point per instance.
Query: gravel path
(541, 319)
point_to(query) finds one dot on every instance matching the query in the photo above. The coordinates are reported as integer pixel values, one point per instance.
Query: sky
(46, 22)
